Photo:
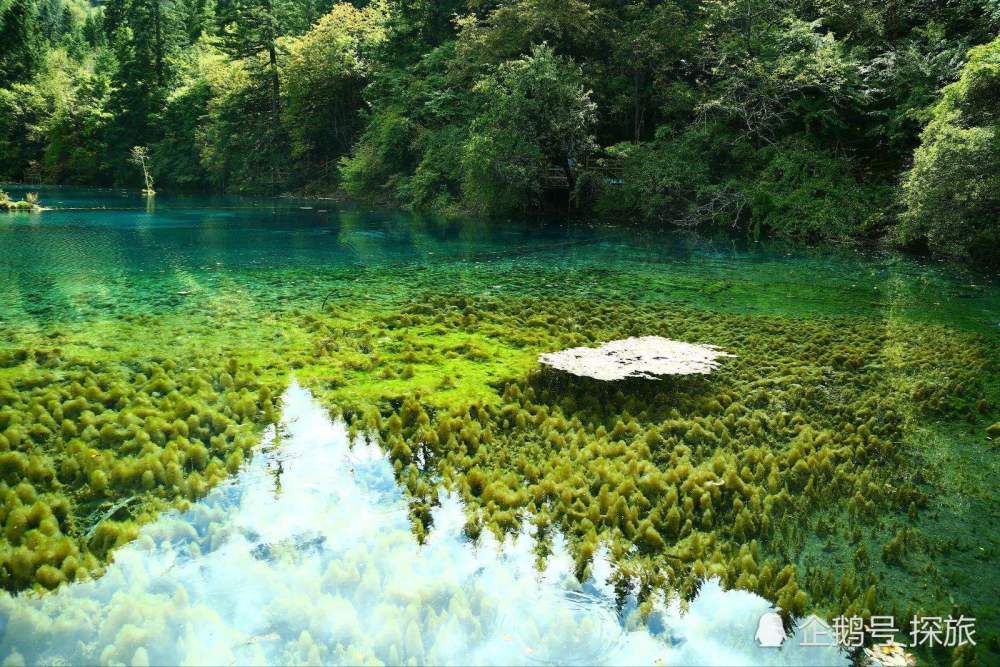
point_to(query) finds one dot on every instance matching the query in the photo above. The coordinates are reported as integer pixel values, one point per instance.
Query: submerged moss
(798, 471)
(102, 442)
(761, 475)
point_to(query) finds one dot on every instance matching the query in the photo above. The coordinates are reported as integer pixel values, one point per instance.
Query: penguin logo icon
(770, 630)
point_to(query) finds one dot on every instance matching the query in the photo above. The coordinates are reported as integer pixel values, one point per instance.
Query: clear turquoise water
(102, 259)
(102, 251)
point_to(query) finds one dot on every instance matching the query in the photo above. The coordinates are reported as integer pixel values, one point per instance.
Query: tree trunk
(637, 111)
(570, 182)
(272, 54)
(275, 82)
(158, 45)
(275, 105)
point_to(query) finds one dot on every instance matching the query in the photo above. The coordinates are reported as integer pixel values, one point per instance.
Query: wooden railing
(322, 174)
(611, 171)
(33, 174)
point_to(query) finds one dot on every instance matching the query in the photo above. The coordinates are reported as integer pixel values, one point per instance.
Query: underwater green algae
(87, 450)
(795, 471)
(843, 462)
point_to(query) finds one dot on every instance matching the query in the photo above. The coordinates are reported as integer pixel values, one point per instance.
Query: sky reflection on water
(306, 557)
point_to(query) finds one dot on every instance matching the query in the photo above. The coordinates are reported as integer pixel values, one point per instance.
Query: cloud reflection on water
(306, 557)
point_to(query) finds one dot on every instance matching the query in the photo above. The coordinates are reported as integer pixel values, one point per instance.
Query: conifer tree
(19, 43)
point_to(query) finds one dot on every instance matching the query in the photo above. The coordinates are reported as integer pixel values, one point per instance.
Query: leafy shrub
(176, 157)
(952, 193)
(437, 182)
(383, 154)
(807, 192)
(662, 179)
(536, 115)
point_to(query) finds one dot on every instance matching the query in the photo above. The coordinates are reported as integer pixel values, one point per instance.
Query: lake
(299, 431)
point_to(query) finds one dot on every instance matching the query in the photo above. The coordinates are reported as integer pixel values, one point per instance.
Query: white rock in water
(644, 357)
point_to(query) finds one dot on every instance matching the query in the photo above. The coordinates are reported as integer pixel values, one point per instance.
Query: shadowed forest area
(812, 119)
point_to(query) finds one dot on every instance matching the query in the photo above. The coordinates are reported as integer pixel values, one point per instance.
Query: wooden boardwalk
(610, 171)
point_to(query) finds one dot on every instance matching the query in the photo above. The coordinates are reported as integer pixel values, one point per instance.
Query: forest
(840, 120)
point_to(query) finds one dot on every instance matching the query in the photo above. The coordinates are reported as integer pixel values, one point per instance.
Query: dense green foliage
(953, 191)
(792, 117)
(535, 113)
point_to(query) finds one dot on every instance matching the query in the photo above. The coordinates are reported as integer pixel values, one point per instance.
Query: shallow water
(307, 557)
(108, 288)
(108, 252)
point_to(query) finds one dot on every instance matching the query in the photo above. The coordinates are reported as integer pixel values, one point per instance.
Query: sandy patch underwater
(307, 556)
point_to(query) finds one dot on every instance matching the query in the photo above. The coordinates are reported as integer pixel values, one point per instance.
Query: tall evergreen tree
(20, 49)
(249, 31)
(142, 35)
(249, 28)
